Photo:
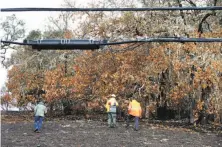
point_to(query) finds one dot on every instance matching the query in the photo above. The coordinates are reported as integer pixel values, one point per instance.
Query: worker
(111, 108)
(39, 113)
(134, 110)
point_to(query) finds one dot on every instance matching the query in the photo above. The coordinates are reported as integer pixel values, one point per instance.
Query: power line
(128, 48)
(173, 39)
(14, 42)
(70, 41)
(112, 9)
(90, 44)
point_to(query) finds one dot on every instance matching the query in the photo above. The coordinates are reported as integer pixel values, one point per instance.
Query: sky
(33, 20)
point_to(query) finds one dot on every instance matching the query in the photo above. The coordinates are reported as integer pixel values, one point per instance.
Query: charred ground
(17, 130)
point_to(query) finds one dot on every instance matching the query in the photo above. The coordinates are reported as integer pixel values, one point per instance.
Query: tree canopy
(184, 77)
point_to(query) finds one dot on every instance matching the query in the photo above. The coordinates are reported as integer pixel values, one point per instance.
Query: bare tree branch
(12, 29)
(141, 89)
(3, 59)
(215, 2)
(200, 28)
(191, 3)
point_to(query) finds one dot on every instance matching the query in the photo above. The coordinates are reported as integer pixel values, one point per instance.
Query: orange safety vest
(134, 108)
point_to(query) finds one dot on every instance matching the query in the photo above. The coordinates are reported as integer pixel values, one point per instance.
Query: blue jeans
(136, 118)
(136, 122)
(38, 122)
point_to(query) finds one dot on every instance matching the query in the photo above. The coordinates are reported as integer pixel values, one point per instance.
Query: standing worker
(134, 110)
(39, 112)
(111, 108)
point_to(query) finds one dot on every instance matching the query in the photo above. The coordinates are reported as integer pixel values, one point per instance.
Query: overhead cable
(170, 39)
(173, 39)
(112, 9)
(85, 44)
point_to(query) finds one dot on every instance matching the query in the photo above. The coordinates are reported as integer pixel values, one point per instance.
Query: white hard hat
(113, 95)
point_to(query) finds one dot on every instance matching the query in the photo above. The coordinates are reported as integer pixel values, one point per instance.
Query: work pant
(38, 122)
(111, 119)
(136, 118)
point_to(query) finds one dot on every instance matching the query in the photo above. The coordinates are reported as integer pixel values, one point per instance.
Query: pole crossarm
(112, 9)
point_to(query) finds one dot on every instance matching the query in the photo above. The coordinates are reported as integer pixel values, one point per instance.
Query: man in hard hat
(39, 112)
(134, 110)
(111, 108)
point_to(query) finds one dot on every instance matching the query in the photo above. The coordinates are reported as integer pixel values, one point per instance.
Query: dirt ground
(85, 133)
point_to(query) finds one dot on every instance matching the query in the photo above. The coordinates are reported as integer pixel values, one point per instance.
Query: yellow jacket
(110, 102)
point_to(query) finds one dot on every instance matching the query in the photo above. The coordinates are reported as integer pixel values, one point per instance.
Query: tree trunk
(6, 107)
(179, 116)
(147, 107)
(51, 108)
(191, 116)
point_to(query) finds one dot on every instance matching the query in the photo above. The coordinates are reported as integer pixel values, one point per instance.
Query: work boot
(35, 130)
(135, 129)
(112, 126)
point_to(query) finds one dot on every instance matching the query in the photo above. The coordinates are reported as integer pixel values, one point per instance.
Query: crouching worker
(111, 107)
(39, 112)
(134, 110)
